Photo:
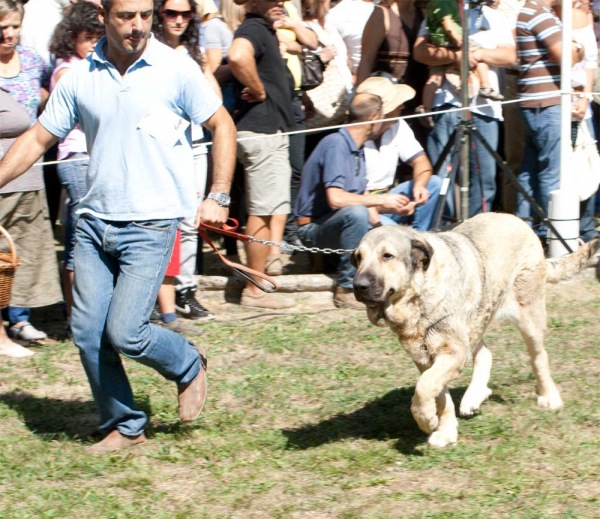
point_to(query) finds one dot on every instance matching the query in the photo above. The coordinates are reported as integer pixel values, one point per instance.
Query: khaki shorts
(267, 172)
(25, 216)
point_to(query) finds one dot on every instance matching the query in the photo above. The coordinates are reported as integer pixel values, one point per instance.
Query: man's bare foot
(115, 441)
(10, 348)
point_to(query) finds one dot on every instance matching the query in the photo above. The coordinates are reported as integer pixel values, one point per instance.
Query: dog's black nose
(361, 285)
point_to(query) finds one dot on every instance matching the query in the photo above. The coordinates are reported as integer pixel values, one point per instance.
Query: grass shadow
(54, 419)
(384, 418)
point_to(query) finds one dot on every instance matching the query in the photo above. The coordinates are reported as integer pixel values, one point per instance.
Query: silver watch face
(222, 199)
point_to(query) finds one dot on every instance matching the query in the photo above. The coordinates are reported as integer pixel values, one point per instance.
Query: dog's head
(387, 260)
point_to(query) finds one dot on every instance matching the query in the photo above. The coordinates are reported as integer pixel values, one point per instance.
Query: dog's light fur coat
(439, 292)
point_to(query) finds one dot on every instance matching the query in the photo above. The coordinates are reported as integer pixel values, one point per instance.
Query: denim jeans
(423, 215)
(540, 170)
(16, 314)
(342, 229)
(72, 176)
(482, 170)
(119, 267)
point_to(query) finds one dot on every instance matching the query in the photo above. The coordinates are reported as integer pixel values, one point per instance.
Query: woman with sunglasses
(175, 23)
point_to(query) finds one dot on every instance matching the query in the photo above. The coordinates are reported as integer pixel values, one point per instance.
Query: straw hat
(207, 7)
(391, 95)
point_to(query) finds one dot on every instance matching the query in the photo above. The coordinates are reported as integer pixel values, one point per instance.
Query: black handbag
(312, 69)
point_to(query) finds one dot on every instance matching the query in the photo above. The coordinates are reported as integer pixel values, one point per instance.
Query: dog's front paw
(425, 415)
(443, 437)
(471, 402)
(551, 401)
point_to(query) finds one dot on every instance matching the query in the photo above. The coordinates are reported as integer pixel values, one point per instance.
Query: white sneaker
(26, 332)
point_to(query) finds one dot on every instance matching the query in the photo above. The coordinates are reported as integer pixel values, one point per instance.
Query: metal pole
(565, 86)
(563, 209)
(464, 91)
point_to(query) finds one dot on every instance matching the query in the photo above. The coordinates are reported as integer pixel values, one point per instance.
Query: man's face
(270, 10)
(128, 25)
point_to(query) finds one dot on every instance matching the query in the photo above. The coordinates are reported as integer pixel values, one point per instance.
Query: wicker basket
(8, 266)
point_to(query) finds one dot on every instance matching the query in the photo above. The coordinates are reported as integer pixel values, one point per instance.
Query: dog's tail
(570, 265)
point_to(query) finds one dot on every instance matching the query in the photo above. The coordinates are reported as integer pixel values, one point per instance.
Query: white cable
(339, 126)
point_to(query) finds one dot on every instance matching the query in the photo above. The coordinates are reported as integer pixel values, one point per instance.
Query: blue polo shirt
(335, 162)
(133, 175)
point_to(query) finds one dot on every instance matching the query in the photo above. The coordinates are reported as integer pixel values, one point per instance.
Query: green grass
(308, 417)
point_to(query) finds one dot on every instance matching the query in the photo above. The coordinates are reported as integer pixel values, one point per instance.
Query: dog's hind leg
(478, 390)
(532, 323)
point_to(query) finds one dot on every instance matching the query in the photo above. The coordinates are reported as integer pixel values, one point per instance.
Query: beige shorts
(25, 217)
(267, 173)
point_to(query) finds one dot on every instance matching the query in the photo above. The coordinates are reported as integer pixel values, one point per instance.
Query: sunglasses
(172, 15)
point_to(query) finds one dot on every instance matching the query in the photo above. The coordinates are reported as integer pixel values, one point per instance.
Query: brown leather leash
(242, 270)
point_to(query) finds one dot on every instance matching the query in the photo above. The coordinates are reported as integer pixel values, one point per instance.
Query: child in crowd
(445, 30)
(74, 39)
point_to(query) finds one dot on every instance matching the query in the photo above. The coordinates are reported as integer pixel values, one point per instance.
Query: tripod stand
(458, 144)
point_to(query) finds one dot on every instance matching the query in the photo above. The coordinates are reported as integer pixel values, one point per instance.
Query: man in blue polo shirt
(334, 208)
(134, 98)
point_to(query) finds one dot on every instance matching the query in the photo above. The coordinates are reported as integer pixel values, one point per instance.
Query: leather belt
(304, 220)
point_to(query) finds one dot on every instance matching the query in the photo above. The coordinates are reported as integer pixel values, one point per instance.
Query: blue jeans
(119, 267)
(342, 229)
(540, 170)
(16, 314)
(423, 215)
(72, 176)
(482, 170)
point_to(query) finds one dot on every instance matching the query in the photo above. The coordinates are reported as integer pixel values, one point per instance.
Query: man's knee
(126, 338)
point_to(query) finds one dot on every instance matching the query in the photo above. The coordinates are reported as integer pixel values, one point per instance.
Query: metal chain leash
(299, 248)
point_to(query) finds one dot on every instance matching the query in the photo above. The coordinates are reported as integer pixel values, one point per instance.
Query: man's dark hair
(77, 18)
(106, 5)
(364, 107)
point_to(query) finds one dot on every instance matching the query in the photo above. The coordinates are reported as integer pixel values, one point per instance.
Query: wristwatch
(223, 199)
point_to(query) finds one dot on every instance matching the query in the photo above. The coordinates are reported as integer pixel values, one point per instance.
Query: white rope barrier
(339, 126)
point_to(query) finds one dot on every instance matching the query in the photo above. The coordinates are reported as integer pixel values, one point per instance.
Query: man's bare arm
(24, 153)
(223, 152)
(243, 67)
(433, 56)
(501, 56)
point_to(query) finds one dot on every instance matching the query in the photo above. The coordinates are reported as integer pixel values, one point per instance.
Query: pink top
(75, 141)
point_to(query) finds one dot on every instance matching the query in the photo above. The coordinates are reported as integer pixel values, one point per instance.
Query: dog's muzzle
(367, 290)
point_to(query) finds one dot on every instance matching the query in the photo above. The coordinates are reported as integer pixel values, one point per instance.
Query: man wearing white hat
(396, 143)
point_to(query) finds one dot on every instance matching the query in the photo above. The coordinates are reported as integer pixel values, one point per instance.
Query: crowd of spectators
(325, 188)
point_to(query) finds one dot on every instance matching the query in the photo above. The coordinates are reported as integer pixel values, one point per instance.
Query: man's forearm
(422, 170)
(337, 198)
(24, 152)
(434, 56)
(223, 153)
(504, 56)
(246, 73)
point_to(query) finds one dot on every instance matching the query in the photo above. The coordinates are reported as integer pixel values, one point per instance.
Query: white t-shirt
(349, 17)
(398, 144)
(498, 33)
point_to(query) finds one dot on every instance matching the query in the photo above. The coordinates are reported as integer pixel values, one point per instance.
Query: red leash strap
(245, 272)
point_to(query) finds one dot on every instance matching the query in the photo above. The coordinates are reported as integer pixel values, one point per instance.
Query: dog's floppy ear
(420, 253)
(353, 260)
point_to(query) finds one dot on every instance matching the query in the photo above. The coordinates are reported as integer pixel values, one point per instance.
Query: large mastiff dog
(439, 293)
